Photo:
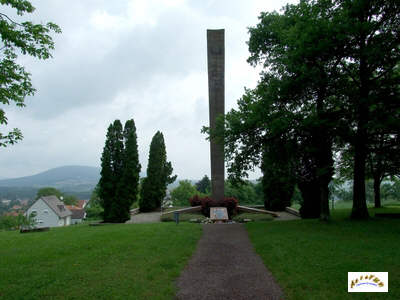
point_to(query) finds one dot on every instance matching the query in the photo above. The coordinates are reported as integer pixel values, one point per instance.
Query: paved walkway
(150, 217)
(225, 266)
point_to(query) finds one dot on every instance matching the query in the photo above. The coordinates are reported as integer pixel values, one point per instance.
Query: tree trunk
(377, 191)
(323, 154)
(360, 210)
(324, 174)
(324, 194)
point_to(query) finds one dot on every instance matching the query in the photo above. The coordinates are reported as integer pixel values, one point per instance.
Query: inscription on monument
(218, 214)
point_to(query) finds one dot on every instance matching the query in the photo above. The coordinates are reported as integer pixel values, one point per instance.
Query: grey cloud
(154, 74)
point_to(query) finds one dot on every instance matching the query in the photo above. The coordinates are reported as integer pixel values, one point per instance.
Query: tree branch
(12, 21)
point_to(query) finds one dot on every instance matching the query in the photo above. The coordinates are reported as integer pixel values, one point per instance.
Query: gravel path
(151, 217)
(225, 266)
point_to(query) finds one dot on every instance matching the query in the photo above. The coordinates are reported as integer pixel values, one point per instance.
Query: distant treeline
(14, 193)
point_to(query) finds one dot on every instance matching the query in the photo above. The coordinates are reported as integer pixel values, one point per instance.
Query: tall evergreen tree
(159, 172)
(106, 183)
(128, 184)
(204, 185)
(111, 172)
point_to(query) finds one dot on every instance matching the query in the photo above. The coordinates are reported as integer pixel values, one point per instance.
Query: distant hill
(66, 177)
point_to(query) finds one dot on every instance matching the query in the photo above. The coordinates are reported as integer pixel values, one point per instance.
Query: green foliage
(391, 190)
(330, 80)
(48, 191)
(94, 210)
(118, 185)
(245, 192)
(159, 172)
(278, 175)
(70, 200)
(204, 185)
(26, 38)
(128, 185)
(181, 194)
(17, 222)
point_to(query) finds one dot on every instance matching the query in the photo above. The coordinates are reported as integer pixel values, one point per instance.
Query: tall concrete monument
(216, 94)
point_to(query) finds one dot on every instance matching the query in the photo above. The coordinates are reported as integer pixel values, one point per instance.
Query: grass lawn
(254, 217)
(183, 217)
(310, 259)
(127, 261)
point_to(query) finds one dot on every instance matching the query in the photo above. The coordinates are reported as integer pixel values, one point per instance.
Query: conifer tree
(129, 182)
(158, 175)
(111, 172)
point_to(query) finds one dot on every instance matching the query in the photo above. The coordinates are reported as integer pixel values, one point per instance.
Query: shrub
(195, 200)
(94, 212)
(17, 222)
(206, 202)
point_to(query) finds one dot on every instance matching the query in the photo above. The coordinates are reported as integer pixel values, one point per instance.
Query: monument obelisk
(216, 94)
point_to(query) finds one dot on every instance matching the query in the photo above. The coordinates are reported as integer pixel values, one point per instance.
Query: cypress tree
(129, 182)
(158, 175)
(111, 172)
(106, 185)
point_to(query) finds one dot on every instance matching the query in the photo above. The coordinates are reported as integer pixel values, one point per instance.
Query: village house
(49, 212)
(78, 212)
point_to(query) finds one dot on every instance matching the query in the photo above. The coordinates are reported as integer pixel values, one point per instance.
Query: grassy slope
(136, 261)
(311, 259)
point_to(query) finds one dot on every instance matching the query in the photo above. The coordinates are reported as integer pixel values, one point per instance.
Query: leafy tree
(181, 194)
(48, 191)
(278, 175)
(330, 76)
(391, 189)
(204, 185)
(245, 192)
(26, 38)
(159, 172)
(94, 209)
(70, 200)
(17, 222)
(293, 100)
(368, 32)
(383, 159)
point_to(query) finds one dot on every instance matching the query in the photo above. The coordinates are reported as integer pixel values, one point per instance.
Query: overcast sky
(123, 59)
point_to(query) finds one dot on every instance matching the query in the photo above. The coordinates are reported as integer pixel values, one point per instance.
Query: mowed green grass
(310, 259)
(126, 261)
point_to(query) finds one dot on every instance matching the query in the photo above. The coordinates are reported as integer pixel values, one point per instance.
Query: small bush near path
(126, 261)
(310, 259)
